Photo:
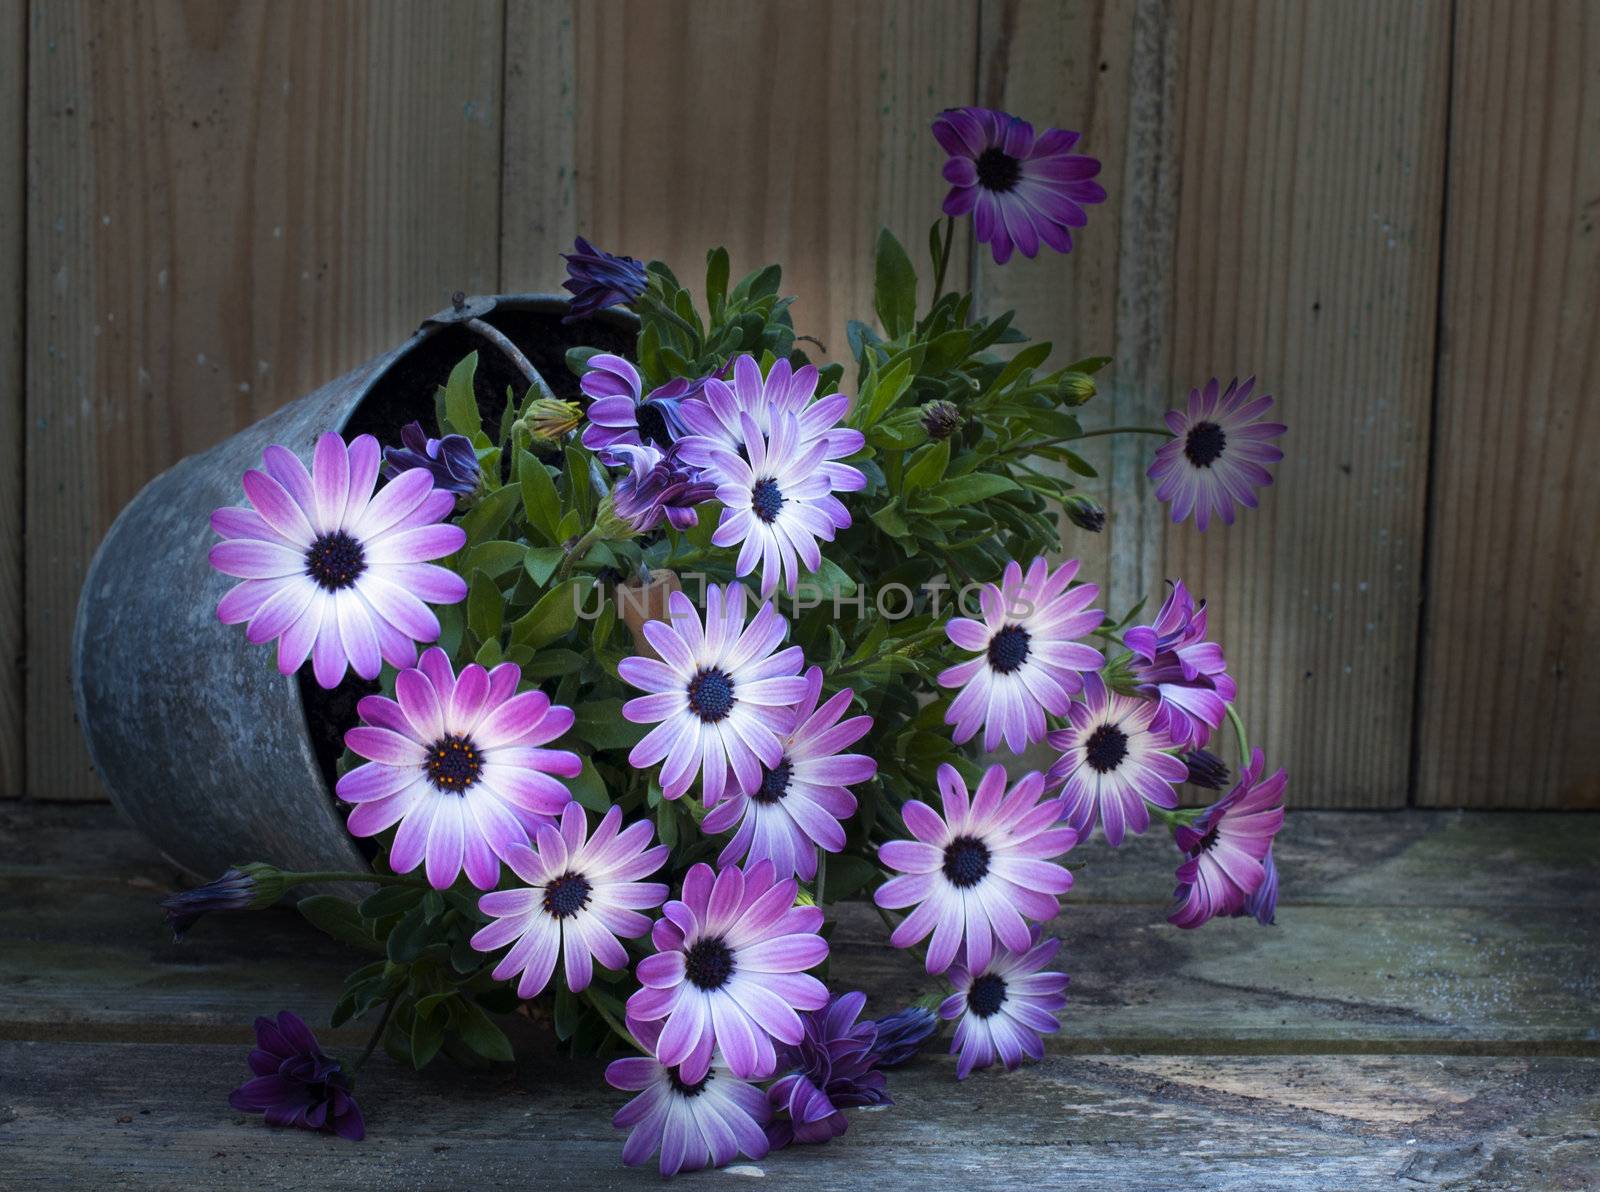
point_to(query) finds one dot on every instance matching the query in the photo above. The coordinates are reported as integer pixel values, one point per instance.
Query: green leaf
(339, 919)
(847, 875)
(539, 500)
(716, 280)
(479, 1032)
(1028, 358)
(542, 561)
(550, 664)
(555, 614)
(493, 558)
(390, 900)
(427, 1036)
(460, 403)
(600, 723)
(589, 789)
(485, 607)
(894, 293)
(977, 486)
(889, 520)
(928, 468)
(484, 521)
(408, 937)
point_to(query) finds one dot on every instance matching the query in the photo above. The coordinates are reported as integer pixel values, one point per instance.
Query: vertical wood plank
(1275, 176)
(228, 204)
(788, 131)
(1509, 699)
(539, 212)
(13, 172)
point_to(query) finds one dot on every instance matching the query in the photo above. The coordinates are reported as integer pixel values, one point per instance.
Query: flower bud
(1205, 769)
(940, 419)
(240, 888)
(549, 417)
(1077, 388)
(612, 526)
(1085, 513)
(902, 1034)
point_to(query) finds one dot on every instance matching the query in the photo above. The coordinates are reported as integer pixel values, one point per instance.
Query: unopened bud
(241, 888)
(1077, 388)
(550, 417)
(940, 419)
(1205, 769)
(1085, 513)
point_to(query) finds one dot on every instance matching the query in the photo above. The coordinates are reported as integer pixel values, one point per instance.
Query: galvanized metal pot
(202, 744)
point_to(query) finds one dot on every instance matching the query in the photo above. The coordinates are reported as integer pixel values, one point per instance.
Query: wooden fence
(1385, 209)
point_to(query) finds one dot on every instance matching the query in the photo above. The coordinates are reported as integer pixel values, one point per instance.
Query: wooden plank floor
(1425, 1014)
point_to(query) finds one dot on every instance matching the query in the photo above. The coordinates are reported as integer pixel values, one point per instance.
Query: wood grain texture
(1508, 697)
(538, 179)
(13, 238)
(228, 204)
(788, 131)
(1275, 188)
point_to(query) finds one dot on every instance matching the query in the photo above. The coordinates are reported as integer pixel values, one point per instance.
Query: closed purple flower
(1205, 768)
(833, 1068)
(620, 414)
(1005, 1008)
(902, 1034)
(729, 972)
(1173, 661)
(1218, 454)
(658, 486)
(451, 461)
(695, 1124)
(295, 1084)
(1227, 847)
(1022, 189)
(597, 279)
(1263, 904)
(242, 888)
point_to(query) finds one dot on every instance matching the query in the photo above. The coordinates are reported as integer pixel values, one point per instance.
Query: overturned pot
(202, 744)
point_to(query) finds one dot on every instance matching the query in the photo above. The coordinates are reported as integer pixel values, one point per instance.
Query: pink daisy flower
(1022, 189)
(1112, 760)
(777, 500)
(1005, 1007)
(729, 971)
(799, 803)
(583, 895)
(1219, 453)
(720, 694)
(717, 419)
(459, 764)
(980, 872)
(695, 1124)
(1029, 659)
(331, 570)
(1228, 846)
(1186, 674)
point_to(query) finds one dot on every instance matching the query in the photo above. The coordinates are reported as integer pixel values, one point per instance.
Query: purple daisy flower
(332, 571)
(1227, 847)
(833, 1068)
(583, 895)
(1022, 189)
(902, 1034)
(1113, 760)
(797, 806)
(1029, 659)
(295, 1084)
(597, 279)
(1174, 663)
(658, 486)
(459, 764)
(1218, 454)
(729, 971)
(721, 695)
(777, 500)
(980, 872)
(705, 1122)
(451, 461)
(718, 419)
(620, 414)
(1005, 1007)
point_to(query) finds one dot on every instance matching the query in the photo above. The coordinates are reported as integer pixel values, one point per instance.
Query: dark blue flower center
(683, 1088)
(454, 763)
(1008, 649)
(966, 860)
(774, 783)
(987, 995)
(711, 695)
(1106, 748)
(766, 499)
(998, 170)
(653, 426)
(566, 895)
(708, 963)
(335, 561)
(1204, 444)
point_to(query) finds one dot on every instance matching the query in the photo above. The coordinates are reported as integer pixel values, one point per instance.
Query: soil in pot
(405, 394)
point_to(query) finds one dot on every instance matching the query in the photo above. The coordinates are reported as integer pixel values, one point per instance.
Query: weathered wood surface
(13, 281)
(1465, 939)
(1514, 567)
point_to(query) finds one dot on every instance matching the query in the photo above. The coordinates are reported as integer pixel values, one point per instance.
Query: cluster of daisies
(461, 771)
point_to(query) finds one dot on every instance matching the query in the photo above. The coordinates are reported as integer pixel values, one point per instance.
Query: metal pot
(201, 743)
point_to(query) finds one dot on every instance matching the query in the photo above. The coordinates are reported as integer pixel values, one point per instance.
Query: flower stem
(1239, 735)
(578, 550)
(513, 353)
(822, 874)
(377, 1034)
(347, 875)
(944, 259)
(611, 1021)
(1109, 430)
